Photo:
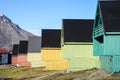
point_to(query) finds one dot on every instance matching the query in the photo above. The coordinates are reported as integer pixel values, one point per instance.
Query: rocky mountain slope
(11, 33)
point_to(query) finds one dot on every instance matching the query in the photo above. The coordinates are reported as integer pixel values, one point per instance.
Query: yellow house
(34, 55)
(51, 50)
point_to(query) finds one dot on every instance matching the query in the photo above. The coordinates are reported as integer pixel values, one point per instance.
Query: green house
(76, 43)
(106, 32)
(106, 35)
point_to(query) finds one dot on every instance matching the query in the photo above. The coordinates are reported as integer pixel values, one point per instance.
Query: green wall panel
(78, 51)
(98, 48)
(106, 63)
(80, 56)
(112, 45)
(110, 63)
(82, 64)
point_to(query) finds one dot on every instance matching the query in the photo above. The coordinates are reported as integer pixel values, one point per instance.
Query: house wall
(98, 48)
(76, 64)
(112, 45)
(53, 59)
(80, 56)
(35, 59)
(51, 54)
(14, 59)
(78, 51)
(110, 63)
(56, 65)
(21, 59)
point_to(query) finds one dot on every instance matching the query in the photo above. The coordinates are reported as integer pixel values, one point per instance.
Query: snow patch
(1, 14)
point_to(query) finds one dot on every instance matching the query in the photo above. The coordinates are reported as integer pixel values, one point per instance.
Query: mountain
(11, 33)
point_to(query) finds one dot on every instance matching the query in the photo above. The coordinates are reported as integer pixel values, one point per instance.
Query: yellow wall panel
(53, 59)
(51, 54)
(56, 65)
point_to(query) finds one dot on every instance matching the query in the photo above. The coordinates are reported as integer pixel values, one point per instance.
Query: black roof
(51, 38)
(15, 49)
(23, 47)
(34, 44)
(110, 11)
(77, 30)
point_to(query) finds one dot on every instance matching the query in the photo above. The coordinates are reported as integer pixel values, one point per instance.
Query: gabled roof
(15, 49)
(23, 47)
(34, 44)
(51, 38)
(77, 30)
(110, 12)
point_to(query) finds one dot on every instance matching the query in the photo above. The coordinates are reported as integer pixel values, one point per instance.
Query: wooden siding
(20, 59)
(14, 59)
(35, 59)
(98, 48)
(76, 64)
(80, 56)
(56, 65)
(112, 45)
(98, 34)
(53, 59)
(78, 51)
(51, 53)
(110, 63)
(109, 46)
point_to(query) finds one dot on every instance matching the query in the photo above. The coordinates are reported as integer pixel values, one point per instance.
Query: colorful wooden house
(106, 35)
(76, 43)
(51, 50)
(34, 56)
(20, 55)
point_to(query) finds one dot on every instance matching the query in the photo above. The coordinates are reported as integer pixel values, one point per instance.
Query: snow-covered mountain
(11, 33)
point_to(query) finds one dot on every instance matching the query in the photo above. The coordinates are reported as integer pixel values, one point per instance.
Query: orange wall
(14, 59)
(20, 59)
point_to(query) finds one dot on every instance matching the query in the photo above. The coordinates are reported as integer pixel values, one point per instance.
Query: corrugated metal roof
(23, 46)
(77, 30)
(34, 44)
(15, 49)
(51, 37)
(110, 11)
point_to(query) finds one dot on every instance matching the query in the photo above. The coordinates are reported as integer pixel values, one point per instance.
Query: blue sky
(34, 15)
